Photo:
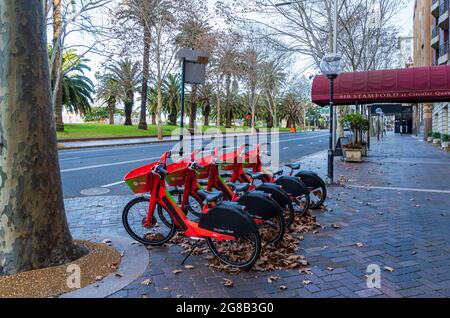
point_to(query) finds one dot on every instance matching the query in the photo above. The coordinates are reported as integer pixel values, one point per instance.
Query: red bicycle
(229, 231)
(241, 159)
(265, 211)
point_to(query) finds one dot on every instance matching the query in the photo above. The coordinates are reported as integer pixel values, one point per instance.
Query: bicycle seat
(294, 166)
(278, 173)
(257, 175)
(226, 175)
(239, 187)
(210, 196)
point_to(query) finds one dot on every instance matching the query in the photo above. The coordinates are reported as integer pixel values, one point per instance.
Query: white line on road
(73, 158)
(400, 189)
(107, 165)
(112, 184)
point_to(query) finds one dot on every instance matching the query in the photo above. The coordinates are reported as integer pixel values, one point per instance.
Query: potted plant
(358, 124)
(436, 138)
(445, 144)
(430, 137)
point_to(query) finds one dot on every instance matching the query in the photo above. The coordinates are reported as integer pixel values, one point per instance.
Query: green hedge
(437, 135)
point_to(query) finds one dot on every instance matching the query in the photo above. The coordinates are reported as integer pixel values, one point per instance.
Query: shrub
(430, 134)
(445, 138)
(436, 135)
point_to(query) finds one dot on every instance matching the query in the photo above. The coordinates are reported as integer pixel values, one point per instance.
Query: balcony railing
(434, 32)
(443, 49)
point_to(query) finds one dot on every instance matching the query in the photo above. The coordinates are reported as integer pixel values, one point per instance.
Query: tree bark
(145, 75)
(206, 113)
(228, 100)
(57, 29)
(193, 115)
(153, 119)
(33, 228)
(112, 110)
(129, 101)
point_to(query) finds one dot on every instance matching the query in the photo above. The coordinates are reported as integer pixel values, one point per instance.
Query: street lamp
(379, 111)
(331, 67)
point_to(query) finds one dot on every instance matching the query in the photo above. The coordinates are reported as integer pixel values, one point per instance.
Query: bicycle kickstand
(197, 244)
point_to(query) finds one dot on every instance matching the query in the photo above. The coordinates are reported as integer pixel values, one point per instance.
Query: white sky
(404, 21)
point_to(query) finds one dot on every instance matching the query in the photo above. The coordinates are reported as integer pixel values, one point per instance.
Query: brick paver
(404, 230)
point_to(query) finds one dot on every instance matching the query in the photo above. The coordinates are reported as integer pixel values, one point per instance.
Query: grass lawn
(81, 131)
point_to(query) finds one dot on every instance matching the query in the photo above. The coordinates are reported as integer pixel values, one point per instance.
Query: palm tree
(141, 13)
(204, 100)
(171, 92)
(152, 102)
(76, 88)
(108, 91)
(126, 74)
(272, 77)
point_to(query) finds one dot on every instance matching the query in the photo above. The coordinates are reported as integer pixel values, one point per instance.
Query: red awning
(411, 85)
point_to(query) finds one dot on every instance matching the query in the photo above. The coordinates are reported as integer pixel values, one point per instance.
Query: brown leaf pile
(282, 256)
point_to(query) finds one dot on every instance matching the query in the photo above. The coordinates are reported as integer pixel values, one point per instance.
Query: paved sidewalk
(395, 215)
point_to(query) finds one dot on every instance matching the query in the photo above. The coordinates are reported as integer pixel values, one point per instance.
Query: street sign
(194, 65)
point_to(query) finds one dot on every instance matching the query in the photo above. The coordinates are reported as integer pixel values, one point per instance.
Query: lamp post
(379, 111)
(331, 67)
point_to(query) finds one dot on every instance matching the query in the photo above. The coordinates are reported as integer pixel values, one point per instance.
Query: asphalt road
(101, 170)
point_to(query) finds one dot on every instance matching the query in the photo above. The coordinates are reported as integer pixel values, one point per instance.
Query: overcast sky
(404, 21)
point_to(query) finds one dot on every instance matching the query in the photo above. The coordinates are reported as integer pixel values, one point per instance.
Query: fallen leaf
(414, 253)
(118, 274)
(179, 296)
(271, 279)
(106, 241)
(330, 269)
(228, 282)
(177, 271)
(144, 296)
(189, 267)
(359, 244)
(97, 278)
(146, 282)
(306, 282)
(335, 226)
(283, 287)
(388, 269)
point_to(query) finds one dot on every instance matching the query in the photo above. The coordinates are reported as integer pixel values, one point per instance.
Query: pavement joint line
(107, 165)
(71, 158)
(399, 189)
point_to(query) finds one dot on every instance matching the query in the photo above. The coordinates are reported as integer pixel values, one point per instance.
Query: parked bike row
(227, 200)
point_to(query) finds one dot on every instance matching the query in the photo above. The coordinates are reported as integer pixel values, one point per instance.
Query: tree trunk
(153, 119)
(33, 228)
(57, 29)
(112, 110)
(145, 74)
(193, 114)
(129, 101)
(206, 112)
(228, 100)
(158, 112)
(269, 121)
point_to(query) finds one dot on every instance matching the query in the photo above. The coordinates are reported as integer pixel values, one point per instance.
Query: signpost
(193, 71)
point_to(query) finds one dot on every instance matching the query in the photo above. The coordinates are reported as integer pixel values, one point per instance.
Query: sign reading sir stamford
(412, 85)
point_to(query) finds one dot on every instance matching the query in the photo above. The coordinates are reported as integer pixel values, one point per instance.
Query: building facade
(438, 29)
(424, 55)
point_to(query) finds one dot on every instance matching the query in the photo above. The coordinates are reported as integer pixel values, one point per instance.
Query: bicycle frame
(161, 196)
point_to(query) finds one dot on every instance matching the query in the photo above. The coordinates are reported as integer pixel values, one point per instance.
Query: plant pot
(364, 152)
(445, 145)
(353, 155)
(430, 139)
(436, 141)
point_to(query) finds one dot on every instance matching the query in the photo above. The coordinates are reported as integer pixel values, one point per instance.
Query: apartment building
(440, 56)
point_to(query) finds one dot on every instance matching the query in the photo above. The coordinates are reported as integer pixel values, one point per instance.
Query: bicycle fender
(260, 205)
(278, 194)
(292, 185)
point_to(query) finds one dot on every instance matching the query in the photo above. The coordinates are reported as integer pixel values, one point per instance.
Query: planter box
(430, 139)
(436, 142)
(353, 155)
(364, 152)
(445, 145)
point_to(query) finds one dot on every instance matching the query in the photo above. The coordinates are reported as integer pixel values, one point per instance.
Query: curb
(133, 264)
(61, 145)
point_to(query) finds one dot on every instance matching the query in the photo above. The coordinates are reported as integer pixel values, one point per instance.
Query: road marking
(285, 148)
(400, 189)
(107, 165)
(112, 184)
(69, 158)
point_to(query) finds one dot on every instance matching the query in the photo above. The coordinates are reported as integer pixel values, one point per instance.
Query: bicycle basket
(139, 180)
(228, 161)
(203, 173)
(177, 173)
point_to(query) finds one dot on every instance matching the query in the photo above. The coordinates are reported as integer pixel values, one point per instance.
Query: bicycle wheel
(194, 205)
(240, 253)
(302, 203)
(289, 214)
(272, 230)
(317, 197)
(159, 232)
